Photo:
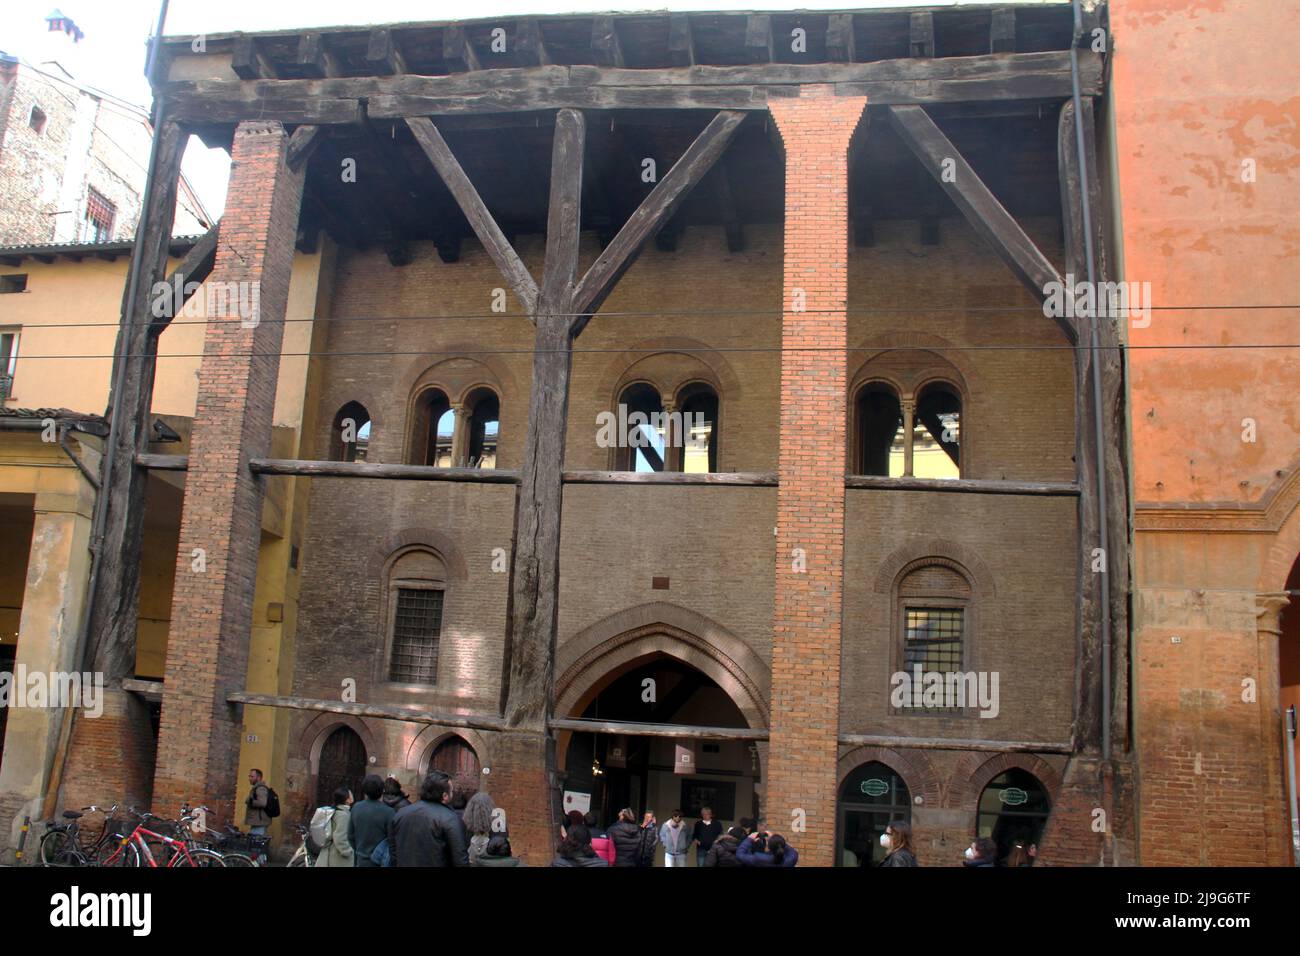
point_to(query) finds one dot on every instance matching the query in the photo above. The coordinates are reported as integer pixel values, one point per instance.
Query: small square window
(101, 214)
(17, 282)
(37, 120)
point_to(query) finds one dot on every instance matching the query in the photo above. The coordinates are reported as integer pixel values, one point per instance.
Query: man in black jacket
(429, 833)
(368, 821)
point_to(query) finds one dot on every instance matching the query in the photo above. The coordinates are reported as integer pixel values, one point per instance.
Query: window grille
(417, 625)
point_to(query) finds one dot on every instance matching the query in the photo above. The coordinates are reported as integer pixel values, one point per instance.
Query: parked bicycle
(65, 844)
(238, 848)
(137, 849)
(302, 856)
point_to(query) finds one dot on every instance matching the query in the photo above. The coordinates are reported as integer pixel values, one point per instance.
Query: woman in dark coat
(897, 839)
(723, 851)
(575, 849)
(632, 843)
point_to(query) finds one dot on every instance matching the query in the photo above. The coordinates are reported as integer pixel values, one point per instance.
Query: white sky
(112, 54)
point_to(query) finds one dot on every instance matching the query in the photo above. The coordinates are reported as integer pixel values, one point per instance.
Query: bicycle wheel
(53, 844)
(238, 859)
(199, 857)
(300, 860)
(70, 857)
(127, 856)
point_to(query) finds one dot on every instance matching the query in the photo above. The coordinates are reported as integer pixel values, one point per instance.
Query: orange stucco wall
(1206, 107)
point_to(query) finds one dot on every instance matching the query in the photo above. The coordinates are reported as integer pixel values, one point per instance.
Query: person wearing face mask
(981, 853)
(897, 840)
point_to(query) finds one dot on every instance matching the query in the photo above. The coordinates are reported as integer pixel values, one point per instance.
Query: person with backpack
(336, 849)
(477, 817)
(368, 821)
(497, 853)
(261, 807)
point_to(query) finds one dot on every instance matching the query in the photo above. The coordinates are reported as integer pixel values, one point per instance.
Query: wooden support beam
(971, 486)
(1004, 77)
(112, 626)
(314, 57)
(480, 220)
(663, 200)
(248, 62)
(457, 52)
(11, 260)
(302, 144)
(758, 38)
(732, 224)
(686, 731)
(748, 479)
(194, 268)
(383, 56)
(681, 44)
(345, 469)
(955, 743)
(530, 45)
(1002, 31)
(415, 715)
(921, 33)
(606, 49)
(981, 208)
(42, 257)
(839, 38)
(529, 667)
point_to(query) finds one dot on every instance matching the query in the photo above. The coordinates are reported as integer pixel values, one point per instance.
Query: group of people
(631, 844)
(387, 828)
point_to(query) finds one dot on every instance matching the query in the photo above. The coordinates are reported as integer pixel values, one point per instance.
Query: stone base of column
(522, 782)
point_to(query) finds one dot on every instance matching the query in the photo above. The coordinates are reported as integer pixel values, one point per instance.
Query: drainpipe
(1100, 428)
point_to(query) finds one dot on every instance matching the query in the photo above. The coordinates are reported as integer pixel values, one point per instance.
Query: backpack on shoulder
(318, 834)
(272, 803)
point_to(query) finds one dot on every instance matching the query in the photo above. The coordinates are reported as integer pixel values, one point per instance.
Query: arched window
(343, 763)
(639, 433)
(933, 602)
(483, 411)
(457, 759)
(870, 797)
(697, 435)
(432, 421)
(416, 591)
(350, 437)
(936, 438)
(881, 439)
(1013, 810)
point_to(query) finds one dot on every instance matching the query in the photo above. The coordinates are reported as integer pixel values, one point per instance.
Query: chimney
(61, 43)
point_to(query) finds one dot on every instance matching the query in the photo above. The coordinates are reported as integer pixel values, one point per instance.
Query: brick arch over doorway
(913, 766)
(588, 660)
(971, 776)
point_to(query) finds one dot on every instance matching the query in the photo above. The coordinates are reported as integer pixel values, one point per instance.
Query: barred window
(932, 638)
(417, 624)
(100, 216)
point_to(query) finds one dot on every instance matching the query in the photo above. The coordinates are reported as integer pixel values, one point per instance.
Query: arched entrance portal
(1013, 810)
(457, 759)
(661, 773)
(342, 764)
(870, 797)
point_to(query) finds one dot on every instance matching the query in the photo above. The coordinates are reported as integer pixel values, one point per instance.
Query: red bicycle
(134, 849)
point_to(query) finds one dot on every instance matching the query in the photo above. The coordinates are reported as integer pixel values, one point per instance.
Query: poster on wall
(684, 759)
(718, 794)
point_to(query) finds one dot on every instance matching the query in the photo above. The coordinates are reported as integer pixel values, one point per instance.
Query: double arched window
(680, 435)
(908, 434)
(460, 435)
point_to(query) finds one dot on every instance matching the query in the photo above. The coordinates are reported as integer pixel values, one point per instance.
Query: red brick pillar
(207, 648)
(816, 128)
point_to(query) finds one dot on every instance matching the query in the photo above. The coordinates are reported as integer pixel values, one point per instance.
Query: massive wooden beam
(921, 30)
(605, 46)
(1017, 76)
(302, 144)
(314, 57)
(758, 38)
(732, 224)
(194, 268)
(417, 715)
(1110, 360)
(653, 212)
(535, 583)
(480, 220)
(981, 208)
(116, 597)
(1002, 31)
(248, 62)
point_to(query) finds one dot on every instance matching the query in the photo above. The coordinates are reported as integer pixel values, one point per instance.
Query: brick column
(207, 648)
(816, 129)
